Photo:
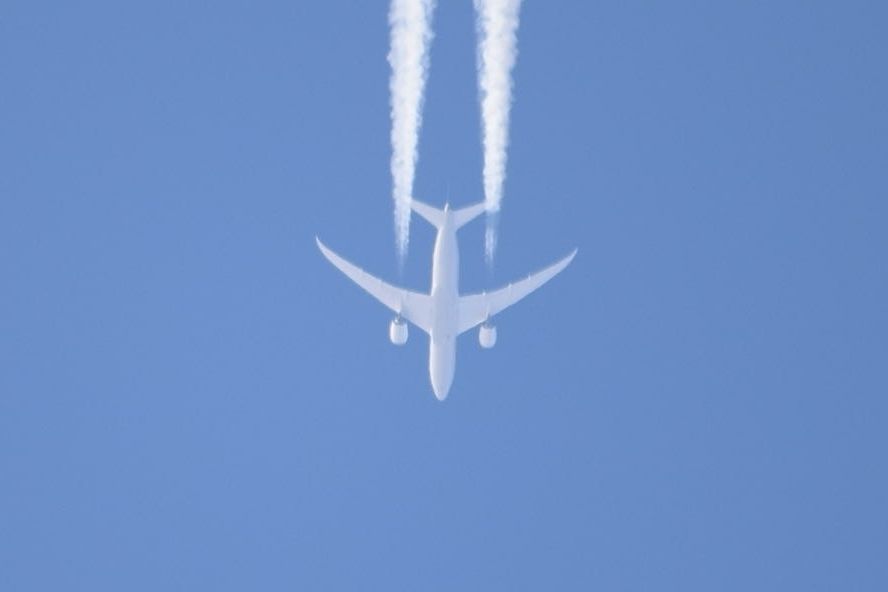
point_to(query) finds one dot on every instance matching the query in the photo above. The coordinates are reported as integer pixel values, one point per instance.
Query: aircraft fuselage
(445, 299)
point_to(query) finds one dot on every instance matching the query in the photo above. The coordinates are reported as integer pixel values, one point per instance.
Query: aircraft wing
(413, 306)
(477, 308)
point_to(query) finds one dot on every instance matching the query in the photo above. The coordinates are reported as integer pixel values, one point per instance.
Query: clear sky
(191, 398)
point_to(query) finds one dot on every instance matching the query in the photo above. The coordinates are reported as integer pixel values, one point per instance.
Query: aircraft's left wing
(413, 306)
(477, 308)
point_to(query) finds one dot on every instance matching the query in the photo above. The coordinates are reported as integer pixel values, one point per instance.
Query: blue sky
(192, 398)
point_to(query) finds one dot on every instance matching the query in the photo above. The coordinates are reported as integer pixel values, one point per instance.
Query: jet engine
(398, 331)
(487, 336)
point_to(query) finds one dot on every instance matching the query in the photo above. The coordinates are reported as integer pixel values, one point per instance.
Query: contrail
(497, 50)
(411, 35)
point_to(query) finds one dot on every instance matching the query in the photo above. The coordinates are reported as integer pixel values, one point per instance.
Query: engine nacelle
(398, 331)
(487, 335)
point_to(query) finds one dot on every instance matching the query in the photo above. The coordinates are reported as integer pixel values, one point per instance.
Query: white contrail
(497, 50)
(411, 35)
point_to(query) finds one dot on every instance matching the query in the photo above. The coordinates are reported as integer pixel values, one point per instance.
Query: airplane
(443, 313)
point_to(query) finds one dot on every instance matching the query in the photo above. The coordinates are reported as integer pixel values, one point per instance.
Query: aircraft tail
(436, 217)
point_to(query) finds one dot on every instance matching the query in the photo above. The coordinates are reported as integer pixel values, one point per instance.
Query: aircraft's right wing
(413, 306)
(477, 308)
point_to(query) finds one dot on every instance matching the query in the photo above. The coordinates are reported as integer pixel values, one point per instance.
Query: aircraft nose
(440, 390)
(441, 356)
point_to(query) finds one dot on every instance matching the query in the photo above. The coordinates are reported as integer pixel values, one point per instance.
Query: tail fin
(436, 217)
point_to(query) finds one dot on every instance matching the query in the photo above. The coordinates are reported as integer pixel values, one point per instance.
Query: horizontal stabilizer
(431, 214)
(436, 217)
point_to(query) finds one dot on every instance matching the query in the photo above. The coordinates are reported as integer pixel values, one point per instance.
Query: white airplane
(444, 314)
